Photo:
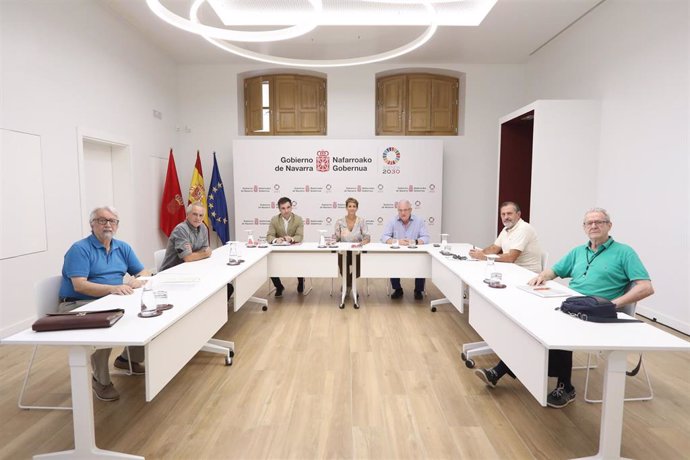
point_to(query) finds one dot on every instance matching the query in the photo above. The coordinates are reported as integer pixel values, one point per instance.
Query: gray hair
(94, 214)
(599, 210)
(401, 202)
(509, 203)
(197, 204)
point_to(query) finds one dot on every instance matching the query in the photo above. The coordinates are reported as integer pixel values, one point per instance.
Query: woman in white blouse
(351, 229)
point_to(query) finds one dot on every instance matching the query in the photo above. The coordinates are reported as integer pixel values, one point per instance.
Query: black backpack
(593, 308)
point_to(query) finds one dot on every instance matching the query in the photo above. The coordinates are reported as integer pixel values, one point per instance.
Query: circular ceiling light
(309, 24)
(414, 44)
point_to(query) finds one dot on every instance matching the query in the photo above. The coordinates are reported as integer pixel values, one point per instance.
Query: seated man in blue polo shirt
(602, 267)
(407, 229)
(95, 267)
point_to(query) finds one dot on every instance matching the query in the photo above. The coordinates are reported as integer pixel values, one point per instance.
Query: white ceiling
(512, 31)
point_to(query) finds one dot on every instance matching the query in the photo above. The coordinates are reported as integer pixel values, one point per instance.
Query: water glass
(233, 259)
(161, 298)
(495, 280)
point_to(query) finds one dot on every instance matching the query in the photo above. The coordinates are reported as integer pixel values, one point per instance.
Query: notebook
(545, 291)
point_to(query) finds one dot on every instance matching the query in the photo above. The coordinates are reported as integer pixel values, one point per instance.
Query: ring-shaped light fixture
(236, 35)
(414, 44)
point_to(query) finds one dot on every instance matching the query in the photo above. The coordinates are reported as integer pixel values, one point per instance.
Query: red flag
(172, 205)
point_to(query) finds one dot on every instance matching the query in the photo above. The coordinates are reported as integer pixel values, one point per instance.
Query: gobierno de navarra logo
(323, 162)
(391, 156)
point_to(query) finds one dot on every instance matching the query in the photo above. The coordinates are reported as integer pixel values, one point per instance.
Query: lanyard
(590, 260)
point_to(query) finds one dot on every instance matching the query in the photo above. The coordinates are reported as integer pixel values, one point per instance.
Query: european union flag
(217, 206)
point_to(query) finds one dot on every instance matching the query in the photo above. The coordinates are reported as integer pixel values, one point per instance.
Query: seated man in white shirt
(517, 243)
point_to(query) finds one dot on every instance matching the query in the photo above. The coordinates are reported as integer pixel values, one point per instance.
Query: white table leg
(343, 290)
(611, 429)
(82, 413)
(436, 303)
(260, 301)
(221, 347)
(353, 277)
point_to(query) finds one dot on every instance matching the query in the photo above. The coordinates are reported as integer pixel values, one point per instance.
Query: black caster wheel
(228, 361)
(264, 308)
(433, 309)
(356, 306)
(341, 306)
(231, 353)
(469, 363)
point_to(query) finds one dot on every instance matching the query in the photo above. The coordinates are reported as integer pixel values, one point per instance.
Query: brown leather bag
(78, 320)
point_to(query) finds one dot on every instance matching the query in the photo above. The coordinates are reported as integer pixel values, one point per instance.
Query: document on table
(170, 278)
(545, 291)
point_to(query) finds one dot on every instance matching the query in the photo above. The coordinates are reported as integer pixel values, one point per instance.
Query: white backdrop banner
(318, 175)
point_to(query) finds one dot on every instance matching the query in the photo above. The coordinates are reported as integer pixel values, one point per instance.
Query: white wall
(208, 100)
(633, 56)
(72, 64)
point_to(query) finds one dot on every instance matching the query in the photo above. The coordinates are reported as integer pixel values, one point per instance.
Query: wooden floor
(311, 381)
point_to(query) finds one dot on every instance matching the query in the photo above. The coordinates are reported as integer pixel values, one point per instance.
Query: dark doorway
(515, 166)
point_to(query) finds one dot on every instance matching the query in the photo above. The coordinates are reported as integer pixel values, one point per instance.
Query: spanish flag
(196, 188)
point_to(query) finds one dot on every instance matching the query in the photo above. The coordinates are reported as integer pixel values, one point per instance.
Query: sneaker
(559, 398)
(418, 295)
(300, 285)
(279, 291)
(488, 376)
(122, 363)
(104, 392)
(397, 294)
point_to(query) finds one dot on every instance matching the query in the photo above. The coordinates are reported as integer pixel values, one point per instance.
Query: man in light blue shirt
(95, 267)
(407, 229)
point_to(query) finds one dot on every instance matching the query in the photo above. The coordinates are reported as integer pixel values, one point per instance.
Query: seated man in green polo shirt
(602, 267)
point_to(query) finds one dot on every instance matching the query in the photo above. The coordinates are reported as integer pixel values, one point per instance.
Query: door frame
(123, 185)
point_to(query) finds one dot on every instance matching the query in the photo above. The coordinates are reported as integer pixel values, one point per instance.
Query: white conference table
(519, 326)
(170, 340)
(378, 260)
(308, 260)
(522, 327)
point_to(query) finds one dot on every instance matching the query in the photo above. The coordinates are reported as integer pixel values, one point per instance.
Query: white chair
(46, 294)
(544, 260)
(628, 309)
(158, 259)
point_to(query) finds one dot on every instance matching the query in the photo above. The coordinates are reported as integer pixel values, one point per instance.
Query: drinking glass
(233, 259)
(495, 280)
(161, 298)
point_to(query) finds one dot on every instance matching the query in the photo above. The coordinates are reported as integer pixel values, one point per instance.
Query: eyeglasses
(591, 223)
(404, 210)
(103, 221)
